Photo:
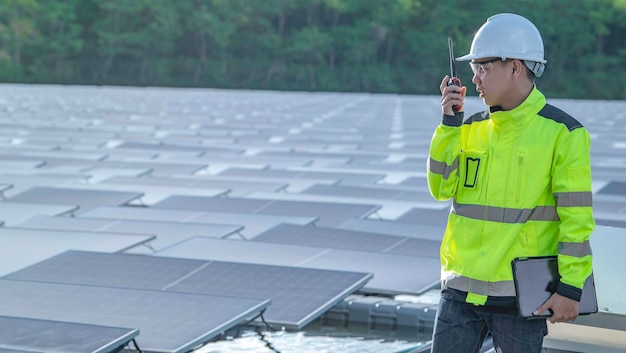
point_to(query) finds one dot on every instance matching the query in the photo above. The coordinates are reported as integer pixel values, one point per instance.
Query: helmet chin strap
(536, 67)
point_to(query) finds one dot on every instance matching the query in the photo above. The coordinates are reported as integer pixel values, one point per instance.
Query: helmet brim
(466, 57)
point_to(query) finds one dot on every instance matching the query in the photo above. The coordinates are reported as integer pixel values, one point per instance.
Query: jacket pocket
(473, 169)
(530, 241)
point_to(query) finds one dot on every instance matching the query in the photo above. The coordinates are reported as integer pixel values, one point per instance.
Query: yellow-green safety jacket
(520, 181)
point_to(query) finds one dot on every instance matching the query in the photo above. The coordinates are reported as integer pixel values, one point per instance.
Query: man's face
(490, 79)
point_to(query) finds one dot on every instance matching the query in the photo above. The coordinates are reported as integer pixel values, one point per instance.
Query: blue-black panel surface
(60, 337)
(328, 238)
(298, 295)
(168, 321)
(330, 214)
(393, 274)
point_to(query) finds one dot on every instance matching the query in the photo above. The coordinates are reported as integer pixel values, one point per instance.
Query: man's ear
(518, 68)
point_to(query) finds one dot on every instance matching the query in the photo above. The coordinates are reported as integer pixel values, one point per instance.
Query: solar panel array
(298, 295)
(234, 183)
(168, 321)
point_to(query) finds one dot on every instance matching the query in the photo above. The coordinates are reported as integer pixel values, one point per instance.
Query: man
(520, 179)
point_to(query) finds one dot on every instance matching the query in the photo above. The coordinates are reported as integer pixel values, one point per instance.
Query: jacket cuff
(455, 120)
(568, 291)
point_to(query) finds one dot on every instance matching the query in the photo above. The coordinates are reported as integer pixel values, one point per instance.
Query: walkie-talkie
(453, 79)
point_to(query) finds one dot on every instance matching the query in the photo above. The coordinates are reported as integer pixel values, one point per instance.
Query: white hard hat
(509, 36)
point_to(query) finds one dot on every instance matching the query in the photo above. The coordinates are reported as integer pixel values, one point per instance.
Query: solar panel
(328, 213)
(350, 240)
(369, 192)
(414, 181)
(404, 229)
(236, 188)
(168, 147)
(391, 276)
(156, 167)
(609, 206)
(611, 223)
(315, 155)
(12, 213)
(611, 219)
(354, 178)
(298, 295)
(613, 188)
(149, 193)
(24, 247)
(253, 223)
(328, 238)
(241, 251)
(22, 183)
(97, 174)
(206, 204)
(417, 247)
(167, 233)
(387, 209)
(426, 216)
(168, 321)
(85, 199)
(55, 336)
(608, 244)
(113, 270)
(140, 213)
(389, 270)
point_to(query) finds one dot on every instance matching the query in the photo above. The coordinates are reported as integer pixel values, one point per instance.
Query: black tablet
(536, 279)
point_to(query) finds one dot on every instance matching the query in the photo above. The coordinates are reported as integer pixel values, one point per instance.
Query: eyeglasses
(482, 68)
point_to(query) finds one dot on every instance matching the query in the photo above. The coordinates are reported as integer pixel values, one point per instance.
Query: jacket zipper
(520, 177)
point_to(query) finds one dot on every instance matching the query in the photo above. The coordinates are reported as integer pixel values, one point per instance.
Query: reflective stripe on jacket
(521, 184)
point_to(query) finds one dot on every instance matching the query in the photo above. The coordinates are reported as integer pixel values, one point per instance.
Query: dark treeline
(397, 46)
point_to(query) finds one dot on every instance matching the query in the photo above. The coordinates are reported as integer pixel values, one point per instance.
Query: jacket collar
(521, 115)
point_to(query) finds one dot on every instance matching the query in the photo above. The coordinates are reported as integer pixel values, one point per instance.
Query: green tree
(210, 26)
(54, 53)
(139, 35)
(17, 30)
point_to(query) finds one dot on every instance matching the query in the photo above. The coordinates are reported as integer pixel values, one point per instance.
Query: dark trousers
(461, 328)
